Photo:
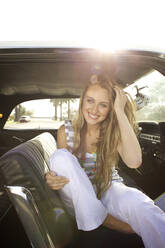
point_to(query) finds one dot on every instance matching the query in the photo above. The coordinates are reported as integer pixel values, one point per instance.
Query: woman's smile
(94, 117)
(96, 105)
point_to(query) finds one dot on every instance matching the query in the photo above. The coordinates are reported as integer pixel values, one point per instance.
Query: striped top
(89, 165)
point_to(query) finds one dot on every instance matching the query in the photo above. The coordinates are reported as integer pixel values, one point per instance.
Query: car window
(151, 85)
(51, 113)
(42, 114)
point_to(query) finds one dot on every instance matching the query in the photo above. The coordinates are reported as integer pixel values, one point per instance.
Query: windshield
(154, 88)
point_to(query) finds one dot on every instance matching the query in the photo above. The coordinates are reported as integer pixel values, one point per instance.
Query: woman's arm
(61, 138)
(129, 148)
(57, 182)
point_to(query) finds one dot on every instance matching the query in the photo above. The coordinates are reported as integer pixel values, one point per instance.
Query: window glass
(50, 113)
(42, 114)
(153, 86)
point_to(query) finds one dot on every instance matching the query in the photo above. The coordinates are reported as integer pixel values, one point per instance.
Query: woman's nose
(95, 109)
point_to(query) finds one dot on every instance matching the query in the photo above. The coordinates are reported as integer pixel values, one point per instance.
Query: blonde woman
(83, 167)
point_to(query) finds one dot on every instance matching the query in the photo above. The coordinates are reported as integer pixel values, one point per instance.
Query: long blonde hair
(107, 154)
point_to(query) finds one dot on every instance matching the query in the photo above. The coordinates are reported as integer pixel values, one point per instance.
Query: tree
(21, 110)
(17, 112)
(68, 102)
(59, 102)
(55, 102)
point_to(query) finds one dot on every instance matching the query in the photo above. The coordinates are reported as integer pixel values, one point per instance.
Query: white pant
(125, 203)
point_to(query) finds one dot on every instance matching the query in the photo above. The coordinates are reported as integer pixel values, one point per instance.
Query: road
(35, 123)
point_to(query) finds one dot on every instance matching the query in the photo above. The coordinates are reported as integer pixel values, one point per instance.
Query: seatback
(40, 209)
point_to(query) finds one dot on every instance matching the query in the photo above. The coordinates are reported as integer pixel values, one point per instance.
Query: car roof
(28, 73)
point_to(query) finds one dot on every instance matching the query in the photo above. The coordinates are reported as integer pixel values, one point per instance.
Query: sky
(40, 108)
(102, 24)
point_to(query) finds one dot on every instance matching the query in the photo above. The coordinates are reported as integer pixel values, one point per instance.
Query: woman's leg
(78, 194)
(138, 210)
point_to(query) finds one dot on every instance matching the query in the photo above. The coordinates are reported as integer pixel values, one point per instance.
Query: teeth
(93, 116)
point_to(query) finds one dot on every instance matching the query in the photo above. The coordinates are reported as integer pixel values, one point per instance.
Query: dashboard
(150, 131)
(152, 141)
(149, 177)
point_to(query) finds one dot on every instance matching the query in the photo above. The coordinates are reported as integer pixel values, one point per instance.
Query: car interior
(31, 214)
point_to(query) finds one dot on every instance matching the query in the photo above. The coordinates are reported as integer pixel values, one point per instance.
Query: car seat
(40, 209)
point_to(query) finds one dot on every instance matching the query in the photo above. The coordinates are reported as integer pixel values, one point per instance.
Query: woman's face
(96, 105)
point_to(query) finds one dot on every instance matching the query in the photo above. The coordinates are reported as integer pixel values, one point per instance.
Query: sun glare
(102, 46)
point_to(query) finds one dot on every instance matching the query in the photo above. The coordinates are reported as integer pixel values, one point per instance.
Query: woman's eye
(103, 105)
(89, 100)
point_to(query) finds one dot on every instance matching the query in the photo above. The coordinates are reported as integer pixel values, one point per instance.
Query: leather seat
(40, 209)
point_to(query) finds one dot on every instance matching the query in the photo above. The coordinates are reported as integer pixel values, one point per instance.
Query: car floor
(12, 232)
(13, 235)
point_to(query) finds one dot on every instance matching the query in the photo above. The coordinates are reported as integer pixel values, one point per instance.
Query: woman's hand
(55, 182)
(120, 100)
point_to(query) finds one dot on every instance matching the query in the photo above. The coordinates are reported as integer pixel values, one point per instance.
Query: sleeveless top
(89, 165)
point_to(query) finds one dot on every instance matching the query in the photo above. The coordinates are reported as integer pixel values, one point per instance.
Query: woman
(83, 168)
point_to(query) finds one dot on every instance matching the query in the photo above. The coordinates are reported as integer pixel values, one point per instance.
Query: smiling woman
(96, 106)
